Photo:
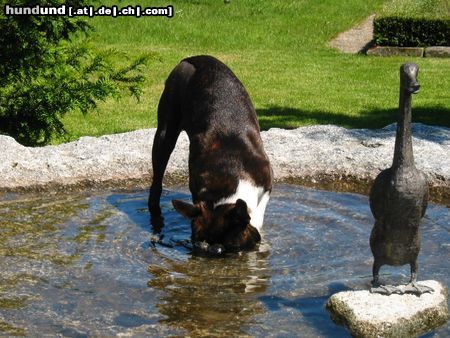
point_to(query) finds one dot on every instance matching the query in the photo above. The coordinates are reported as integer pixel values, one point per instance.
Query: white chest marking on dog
(258, 214)
(254, 196)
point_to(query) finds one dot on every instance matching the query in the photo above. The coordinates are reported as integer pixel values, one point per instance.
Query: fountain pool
(84, 265)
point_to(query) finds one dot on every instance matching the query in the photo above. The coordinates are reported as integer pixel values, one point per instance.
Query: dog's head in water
(226, 225)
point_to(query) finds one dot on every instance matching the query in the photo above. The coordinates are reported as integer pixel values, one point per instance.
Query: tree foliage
(45, 74)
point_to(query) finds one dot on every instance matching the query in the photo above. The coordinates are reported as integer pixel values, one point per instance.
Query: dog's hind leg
(169, 128)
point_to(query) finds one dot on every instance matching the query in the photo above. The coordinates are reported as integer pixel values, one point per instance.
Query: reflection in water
(79, 266)
(211, 296)
(29, 227)
(29, 238)
(206, 295)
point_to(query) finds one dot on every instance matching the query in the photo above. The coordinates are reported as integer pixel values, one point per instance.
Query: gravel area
(356, 39)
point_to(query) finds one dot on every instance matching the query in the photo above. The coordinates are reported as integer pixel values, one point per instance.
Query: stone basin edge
(322, 157)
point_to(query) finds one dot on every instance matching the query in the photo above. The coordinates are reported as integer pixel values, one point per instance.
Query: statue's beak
(414, 88)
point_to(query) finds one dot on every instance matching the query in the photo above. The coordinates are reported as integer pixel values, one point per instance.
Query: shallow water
(85, 265)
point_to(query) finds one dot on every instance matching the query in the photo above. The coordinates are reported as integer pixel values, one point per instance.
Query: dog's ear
(240, 235)
(240, 214)
(188, 210)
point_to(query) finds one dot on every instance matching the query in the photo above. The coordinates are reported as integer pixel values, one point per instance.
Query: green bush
(43, 74)
(413, 23)
(411, 32)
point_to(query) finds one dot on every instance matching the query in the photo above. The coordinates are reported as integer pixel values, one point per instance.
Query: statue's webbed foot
(385, 289)
(417, 289)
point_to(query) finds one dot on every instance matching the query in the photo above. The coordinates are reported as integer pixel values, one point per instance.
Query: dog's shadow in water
(312, 309)
(167, 231)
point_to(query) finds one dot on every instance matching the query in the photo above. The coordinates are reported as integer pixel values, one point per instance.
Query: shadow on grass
(289, 118)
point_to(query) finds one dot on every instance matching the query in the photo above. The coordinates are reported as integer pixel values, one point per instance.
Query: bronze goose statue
(398, 198)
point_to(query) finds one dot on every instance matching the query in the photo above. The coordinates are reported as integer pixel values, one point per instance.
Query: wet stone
(131, 320)
(367, 314)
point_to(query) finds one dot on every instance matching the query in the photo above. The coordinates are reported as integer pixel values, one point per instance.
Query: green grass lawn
(279, 51)
(432, 9)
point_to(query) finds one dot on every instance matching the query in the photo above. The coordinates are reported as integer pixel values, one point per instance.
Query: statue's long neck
(403, 154)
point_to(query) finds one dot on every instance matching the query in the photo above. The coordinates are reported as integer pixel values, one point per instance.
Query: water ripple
(87, 265)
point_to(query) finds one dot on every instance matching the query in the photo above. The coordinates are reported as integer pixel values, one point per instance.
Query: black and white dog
(230, 176)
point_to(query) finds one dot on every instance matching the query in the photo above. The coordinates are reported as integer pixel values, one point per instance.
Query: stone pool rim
(130, 168)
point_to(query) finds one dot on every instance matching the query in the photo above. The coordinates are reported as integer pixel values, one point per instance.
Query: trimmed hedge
(411, 32)
(413, 23)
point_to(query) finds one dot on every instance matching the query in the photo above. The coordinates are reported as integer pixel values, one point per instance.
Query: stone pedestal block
(374, 315)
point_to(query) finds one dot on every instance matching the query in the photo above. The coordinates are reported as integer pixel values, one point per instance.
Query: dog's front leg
(169, 128)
